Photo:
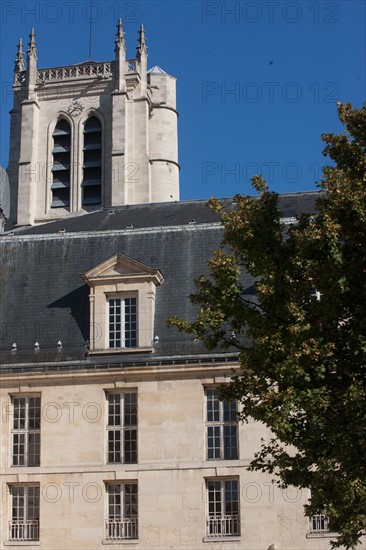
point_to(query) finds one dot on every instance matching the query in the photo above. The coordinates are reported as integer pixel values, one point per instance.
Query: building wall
(171, 469)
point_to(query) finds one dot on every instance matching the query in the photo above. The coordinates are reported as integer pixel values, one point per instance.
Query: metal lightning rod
(90, 29)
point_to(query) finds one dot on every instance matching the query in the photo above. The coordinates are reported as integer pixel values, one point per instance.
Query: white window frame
(221, 522)
(122, 511)
(24, 523)
(125, 319)
(26, 438)
(219, 430)
(122, 435)
(319, 524)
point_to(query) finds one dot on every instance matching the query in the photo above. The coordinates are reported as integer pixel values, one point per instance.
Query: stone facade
(171, 470)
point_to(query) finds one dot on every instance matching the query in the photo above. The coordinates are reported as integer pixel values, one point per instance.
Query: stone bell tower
(92, 135)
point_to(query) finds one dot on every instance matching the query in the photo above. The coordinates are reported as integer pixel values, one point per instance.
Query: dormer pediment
(121, 268)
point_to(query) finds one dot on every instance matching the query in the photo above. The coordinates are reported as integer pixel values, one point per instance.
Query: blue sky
(257, 82)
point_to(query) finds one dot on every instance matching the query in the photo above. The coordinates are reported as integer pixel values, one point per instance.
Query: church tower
(91, 136)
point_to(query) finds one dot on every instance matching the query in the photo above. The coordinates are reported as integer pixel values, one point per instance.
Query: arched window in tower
(61, 152)
(92, 162)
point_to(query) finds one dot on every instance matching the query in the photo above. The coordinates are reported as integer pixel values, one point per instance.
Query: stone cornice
(117, 374)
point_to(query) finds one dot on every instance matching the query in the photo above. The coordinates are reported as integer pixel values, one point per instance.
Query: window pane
(19, 413)
(19, 449)
(18, 503)
(231, 497)
(33, 503)
(130, 446)
(114, 409)
(214, 497)
(229, 411)
(130, 322)
(114, 501)
(130, 500)
(130, 400)
(34, 412)
(114, 446)
(114, 322)
(213, 442)
(230, 443)
(213, 406)
(34, 440)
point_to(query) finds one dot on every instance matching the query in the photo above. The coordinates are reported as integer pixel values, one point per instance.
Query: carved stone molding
(75, 108)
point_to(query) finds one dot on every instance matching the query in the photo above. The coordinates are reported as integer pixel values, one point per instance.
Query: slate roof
(156, 69)
(44, 299)
(160, 215)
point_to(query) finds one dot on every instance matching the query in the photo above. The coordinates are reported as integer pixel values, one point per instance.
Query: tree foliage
(304, 372)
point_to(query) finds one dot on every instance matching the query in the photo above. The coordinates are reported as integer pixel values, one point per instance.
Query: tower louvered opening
(61, 154)
(92, 162)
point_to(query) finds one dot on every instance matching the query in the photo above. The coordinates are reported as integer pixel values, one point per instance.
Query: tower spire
(31, 74)
(19, 66)
(141, 55)
(19, 59)
(32, 50)
(120, 51)
(141, 44)
(120, 40)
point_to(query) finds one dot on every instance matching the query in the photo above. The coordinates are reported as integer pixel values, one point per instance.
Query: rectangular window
(123, 322)
(24, 524)
(26, 431)
(122, 427)
(122, 511)
(223, 508)
(319, 524)
(221, 427)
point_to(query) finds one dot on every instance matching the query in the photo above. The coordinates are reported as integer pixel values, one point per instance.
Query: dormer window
(122, 305)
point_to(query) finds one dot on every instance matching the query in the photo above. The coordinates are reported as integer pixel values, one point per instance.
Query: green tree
(302, 337)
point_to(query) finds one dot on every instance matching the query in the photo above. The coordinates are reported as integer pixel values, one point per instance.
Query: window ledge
(222, 539)
(119, 351)
(22, 543)
(326, 534)
(22, 467)
(121, 464)
(120, 541)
